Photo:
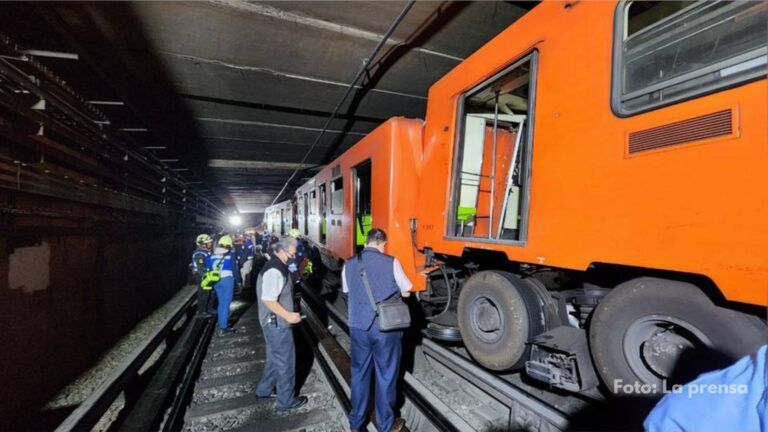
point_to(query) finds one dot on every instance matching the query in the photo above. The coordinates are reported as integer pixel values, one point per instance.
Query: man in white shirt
(274, 291)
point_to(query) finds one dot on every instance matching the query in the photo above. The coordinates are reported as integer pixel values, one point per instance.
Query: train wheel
(658, 332)
(498, 314)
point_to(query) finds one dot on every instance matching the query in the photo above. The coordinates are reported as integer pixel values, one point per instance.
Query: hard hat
(225, 241)
(203, 238)
(294, 233)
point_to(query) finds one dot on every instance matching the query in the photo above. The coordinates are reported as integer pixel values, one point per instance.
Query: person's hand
(293, 318)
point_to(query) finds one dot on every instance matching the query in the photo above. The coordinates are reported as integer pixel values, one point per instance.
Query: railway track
(207, 381)
(147, 390)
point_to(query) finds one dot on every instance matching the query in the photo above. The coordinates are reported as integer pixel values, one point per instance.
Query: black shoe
(298, 402)
(399, 426)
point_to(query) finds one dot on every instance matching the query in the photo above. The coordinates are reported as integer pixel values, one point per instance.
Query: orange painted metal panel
(394, 149)
(699, 208)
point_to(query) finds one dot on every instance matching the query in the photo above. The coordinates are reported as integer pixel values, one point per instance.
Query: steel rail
(352, 85)
(177, 372)
(493, 385)
(90, 411)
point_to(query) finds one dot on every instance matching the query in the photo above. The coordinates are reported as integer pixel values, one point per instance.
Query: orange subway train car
(585, 199)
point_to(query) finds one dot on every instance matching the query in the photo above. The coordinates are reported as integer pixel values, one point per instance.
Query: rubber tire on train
(519, 309)
(732, 334)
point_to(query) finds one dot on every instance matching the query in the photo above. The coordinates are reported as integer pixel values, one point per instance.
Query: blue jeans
(377, 351)
(224, 291)
(279, 375)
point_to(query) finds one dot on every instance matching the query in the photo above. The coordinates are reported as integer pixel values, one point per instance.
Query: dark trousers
(379, 352)
(279, 376)
(205, 301)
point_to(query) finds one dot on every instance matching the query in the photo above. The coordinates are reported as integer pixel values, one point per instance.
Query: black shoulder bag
(392, 313)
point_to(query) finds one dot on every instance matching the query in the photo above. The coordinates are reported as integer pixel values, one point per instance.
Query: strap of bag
(284, 289)
(364, 277)
(219, 264)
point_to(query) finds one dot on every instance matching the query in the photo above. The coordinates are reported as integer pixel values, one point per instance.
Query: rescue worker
(374, 352)
(239, 254)
(267, 240)
(296, 264)
(222, 259)
(204, 244)
(277, 313)
(246, 265)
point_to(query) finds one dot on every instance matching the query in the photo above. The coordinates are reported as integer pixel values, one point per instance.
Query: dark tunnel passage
(68, 291)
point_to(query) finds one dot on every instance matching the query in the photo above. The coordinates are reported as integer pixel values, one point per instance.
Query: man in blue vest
(277, 313)
(222, 259)
(373, 350)
(204, 244)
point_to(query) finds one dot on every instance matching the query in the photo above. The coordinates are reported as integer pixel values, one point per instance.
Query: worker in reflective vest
(223, 260)
(205, 299)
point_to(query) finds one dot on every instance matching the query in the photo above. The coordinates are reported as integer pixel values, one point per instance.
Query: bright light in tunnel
(235, 220)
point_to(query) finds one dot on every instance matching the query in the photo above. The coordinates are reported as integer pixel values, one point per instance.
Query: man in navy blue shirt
(374, 351)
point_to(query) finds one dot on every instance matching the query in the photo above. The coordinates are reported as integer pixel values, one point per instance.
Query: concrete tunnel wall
(91, 291)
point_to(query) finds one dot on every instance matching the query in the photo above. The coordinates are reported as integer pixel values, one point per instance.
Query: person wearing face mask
(375, 354)
(277, 314)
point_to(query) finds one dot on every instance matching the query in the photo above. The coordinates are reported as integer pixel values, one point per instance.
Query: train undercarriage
(607, 331)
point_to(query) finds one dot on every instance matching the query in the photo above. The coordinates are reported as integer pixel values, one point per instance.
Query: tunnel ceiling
(233, 93)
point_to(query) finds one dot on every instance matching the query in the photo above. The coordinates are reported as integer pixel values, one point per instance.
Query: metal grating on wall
(712, 125)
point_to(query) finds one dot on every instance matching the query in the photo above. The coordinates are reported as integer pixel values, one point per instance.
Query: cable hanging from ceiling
(352, 85)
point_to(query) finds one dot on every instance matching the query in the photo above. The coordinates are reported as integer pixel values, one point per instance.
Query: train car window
(669, 51)
(491, 173)
(323, 213)
(300, 205)
(337, 196)
(305, 214)
(288, 222)
(312, 202)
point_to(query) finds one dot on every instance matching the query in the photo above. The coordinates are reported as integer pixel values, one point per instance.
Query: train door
(313, 213)
(362, 211)
(282, 222)
(300, 212)
(305, 218)
(492, 167)
(323, 213)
